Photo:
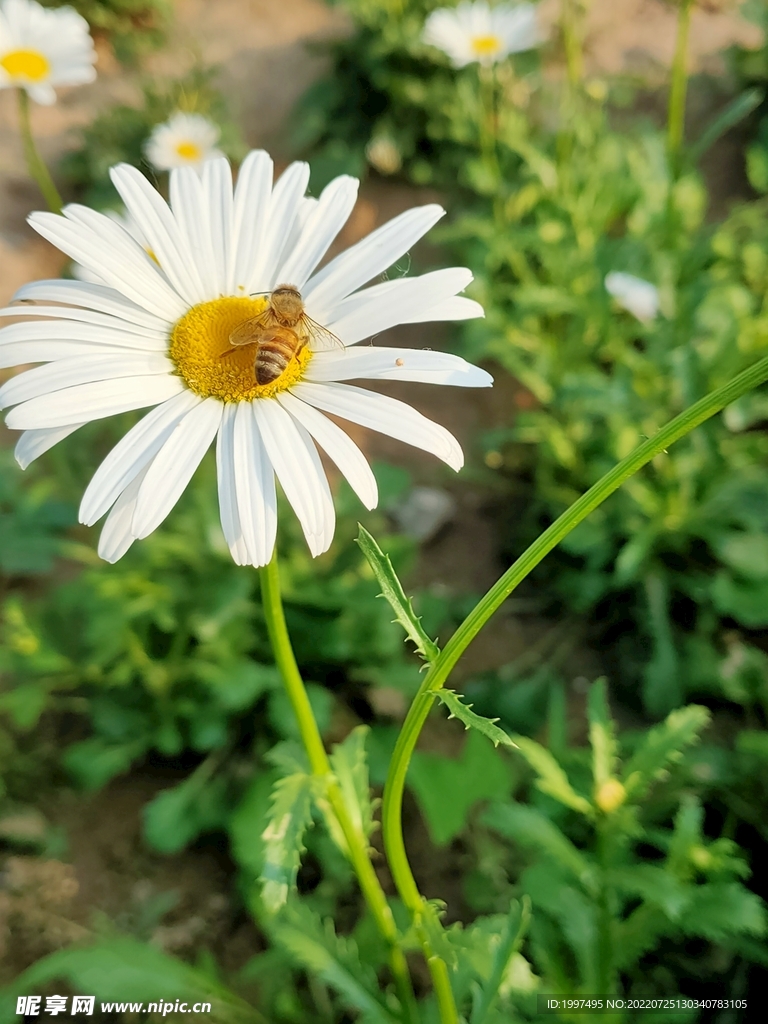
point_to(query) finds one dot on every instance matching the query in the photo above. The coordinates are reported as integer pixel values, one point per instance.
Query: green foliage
(314, 945)
(132, 26)
(658, 564)
(392, 591)
(120, 133)
(600, 905)
(112, 968)
(448, 789)
(32, 520)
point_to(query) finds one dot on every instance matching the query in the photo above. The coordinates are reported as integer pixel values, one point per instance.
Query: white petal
(323, 224)
(19, 353)
(190, 208)
(254, 185)
(371, 256)
(92, 296)
(217, 188)
(103, 321)
(339, 447)
(33, 443)
(67, 373)
(255, 487)
(413, 364)
(283, 208)
(227, 487)
(385, 308)
(93, 401)
(157, 224)
(387, 415)
(132, 453)
(457, 307)
(173, 466)
(116, 536)
(71, 330)
(110, 252)
(299, 470)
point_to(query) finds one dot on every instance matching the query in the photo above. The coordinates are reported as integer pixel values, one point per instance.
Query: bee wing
(244, 333)
(322, 339)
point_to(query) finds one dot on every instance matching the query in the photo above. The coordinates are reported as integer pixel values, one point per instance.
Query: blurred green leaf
(448, 789)
(663, 744)
(551, 777)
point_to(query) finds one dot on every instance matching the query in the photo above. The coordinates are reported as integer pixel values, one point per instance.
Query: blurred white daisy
(638, 297)
(157, 333)
(184, 140)
(41, 48)
(477, 32)
(383, 154)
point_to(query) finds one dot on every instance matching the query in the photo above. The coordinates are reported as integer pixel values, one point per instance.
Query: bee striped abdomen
(275, 353)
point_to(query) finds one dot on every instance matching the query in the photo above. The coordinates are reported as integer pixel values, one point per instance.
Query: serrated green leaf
(602, 734)
(654, 885)
(552, 778)
(392, 591)
(663, 744)
(350, 767)
(470, 720)
(248, 821)
(314, 945)
(721, 909)
(429, 920)
(509, 943)
(289, 817)
(687, 835)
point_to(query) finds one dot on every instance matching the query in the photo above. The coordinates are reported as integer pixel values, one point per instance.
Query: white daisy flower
(184, 140)
(159, 332)
(476, 32)
(638, 297)
(41, 48)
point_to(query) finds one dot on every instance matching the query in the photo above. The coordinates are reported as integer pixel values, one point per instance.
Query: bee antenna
(265, 292)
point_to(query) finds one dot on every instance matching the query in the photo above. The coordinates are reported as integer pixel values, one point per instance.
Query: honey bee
(279, 333)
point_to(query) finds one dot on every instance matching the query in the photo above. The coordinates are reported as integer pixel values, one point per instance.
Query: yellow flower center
(486, 46)
(211, 367)
(189, 151)
(27, 64)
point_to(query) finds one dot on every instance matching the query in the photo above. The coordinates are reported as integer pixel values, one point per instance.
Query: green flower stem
(35, 164)
(487, 126)
(572, 16)
(679, 87)
(320, 765)
(441, 667)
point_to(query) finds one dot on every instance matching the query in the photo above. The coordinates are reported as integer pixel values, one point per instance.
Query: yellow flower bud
(610, 796)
